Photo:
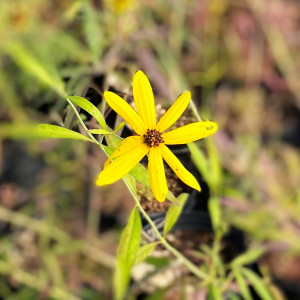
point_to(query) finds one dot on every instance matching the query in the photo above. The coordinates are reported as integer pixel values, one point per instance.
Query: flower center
(153, 137)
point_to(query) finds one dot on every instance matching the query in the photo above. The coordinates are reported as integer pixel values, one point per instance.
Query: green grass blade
(199, 159)
(30, 64)
(214, 292)
(257, 284)
(248, 257)
(126, 253)
(243, 286)
(215, 212)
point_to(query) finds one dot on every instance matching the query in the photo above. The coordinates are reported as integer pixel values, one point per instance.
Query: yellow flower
(152, 138)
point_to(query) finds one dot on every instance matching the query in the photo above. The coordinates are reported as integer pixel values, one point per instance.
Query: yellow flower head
(152, 138)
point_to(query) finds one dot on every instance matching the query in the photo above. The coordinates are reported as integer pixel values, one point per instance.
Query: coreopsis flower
(152, 138)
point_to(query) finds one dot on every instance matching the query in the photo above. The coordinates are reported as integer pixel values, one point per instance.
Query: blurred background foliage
(240, 59)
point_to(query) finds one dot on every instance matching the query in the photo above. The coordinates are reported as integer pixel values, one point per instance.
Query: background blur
(240, 60)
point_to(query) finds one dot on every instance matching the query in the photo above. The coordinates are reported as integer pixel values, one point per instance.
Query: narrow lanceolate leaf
(126, 253)
(29, 62)
(54, 131)
(257, 284)
(243, 286)
(141, 174)
(113, 140)
(214, 292)
(215, 212)
(17, 131)
(199, 160)
(174, 211)
(99, 131)
(90, 108)
(41, 131)
(144, 252)
(248, 257)
(121, 125)
(215, 169)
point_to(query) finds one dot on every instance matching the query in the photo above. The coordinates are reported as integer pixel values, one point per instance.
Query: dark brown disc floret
(153, 137)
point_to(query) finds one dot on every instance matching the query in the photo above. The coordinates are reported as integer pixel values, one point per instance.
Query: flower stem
(82, 124)
(195, 111)
(194, 269)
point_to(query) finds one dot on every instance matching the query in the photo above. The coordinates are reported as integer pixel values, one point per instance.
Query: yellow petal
(144, 100)
(123, 164)
(126, 145)
(174, 112)
(178, 168)
(123, 109)
(158, 180)
(190, 133)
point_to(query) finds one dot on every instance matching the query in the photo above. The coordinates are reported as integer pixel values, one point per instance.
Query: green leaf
(113, 140)
(92, 28)
(257, 284)
(121, 279)
(19, 131)
(108, 150)
(33, 131)
(170, 196)
(130, 182)
(248, 257)
(126, 253)
(244, 288)
(232, 296)
(29, 63)
(141, 174)
(215, 212)
(174, 211)
(199, 159)
(54, 131)
(158, 262)
(121, 125)
(144, 252)
(99, 131)
(215, 170)
(210, 168)
(214, 292)
(90, 108)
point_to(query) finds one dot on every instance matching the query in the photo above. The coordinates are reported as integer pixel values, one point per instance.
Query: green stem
(82, 124)
(195, 270)
(195, 111)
